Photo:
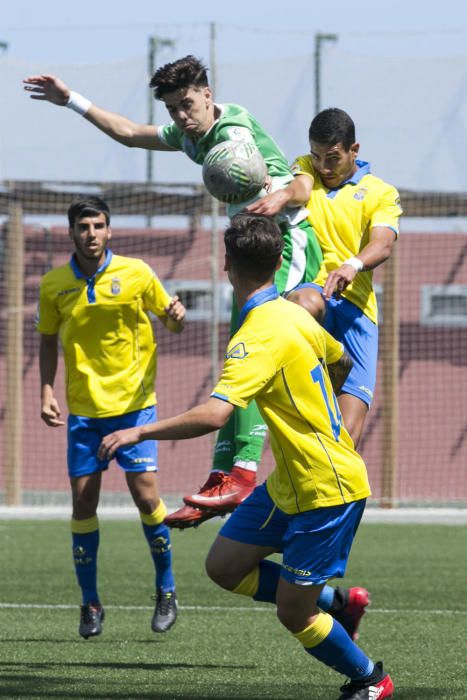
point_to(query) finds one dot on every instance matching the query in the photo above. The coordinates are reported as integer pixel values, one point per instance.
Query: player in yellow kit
(310, 506)
(98, 305)
(356, 219)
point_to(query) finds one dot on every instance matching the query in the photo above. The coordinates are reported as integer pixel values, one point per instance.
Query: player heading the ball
(198, 125)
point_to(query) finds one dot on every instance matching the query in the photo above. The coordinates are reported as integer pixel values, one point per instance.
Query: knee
(216, 571)
(147, 506)
(144, 491)
(222, 572)
(311, 300)
(286, 616)
(84, 506)
(293, 618)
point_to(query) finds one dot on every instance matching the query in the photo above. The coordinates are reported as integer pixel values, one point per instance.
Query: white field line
(220, 608)
(420, 515)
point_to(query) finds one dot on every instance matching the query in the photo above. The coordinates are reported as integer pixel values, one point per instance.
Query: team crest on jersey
(238, 352)
(239, 133)
(360, 193)
(115, 286)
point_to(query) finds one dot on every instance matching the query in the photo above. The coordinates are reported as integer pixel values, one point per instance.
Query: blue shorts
(85, 435)
(359, 336)
(315, 544)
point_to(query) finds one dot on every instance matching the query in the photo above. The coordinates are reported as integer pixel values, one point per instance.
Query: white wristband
(356, 263)
(78, 103)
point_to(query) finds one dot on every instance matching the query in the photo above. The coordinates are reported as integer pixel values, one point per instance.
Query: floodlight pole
(320, 39)
(155, 43)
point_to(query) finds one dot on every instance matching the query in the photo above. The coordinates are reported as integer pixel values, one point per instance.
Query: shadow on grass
(21, 680)
(15, 682)
(78, 640)
(55, 690)
(58, 688)
(123, 666)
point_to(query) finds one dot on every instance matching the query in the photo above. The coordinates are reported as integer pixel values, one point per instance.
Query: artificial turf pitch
(223, 646)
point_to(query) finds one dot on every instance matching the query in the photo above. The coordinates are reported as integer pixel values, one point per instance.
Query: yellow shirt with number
(278, 357)
(109, 348)
(343, 218)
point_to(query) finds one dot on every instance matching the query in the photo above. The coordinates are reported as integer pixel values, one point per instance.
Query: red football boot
(348, 608)
(224, 492)
(186, 516)
(378, 686)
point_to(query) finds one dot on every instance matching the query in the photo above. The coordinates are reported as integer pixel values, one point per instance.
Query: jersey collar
(90, 281)
(80, 275)
(221, 109)
(363, 168)
(257, 299)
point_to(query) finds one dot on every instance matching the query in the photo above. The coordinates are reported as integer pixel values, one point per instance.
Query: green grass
(223, 646)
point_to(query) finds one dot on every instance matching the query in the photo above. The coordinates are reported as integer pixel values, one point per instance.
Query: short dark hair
(186, 72)
(332, 126)
(87, 206)
(254, 243)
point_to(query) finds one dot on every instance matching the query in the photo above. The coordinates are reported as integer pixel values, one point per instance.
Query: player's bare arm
(377, 250)
(296, 194)
(48, 359)
(199, 420)
(174, 321)
(49, 88)
(338, 372)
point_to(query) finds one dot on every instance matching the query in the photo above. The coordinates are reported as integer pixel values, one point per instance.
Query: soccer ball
(234, 171)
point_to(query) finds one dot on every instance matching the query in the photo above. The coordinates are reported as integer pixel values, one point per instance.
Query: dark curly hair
(186, 72)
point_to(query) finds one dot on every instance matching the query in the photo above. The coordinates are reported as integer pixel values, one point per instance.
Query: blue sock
(269, 572)
(338, 651)
(158, 537)
(326, 598)
(85, 546)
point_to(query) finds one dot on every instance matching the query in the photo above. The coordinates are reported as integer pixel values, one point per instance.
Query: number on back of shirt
(335, 417)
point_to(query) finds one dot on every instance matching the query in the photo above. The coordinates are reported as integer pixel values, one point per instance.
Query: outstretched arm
(296, 194)
(377, 250)
(49, 88)
(198, 421)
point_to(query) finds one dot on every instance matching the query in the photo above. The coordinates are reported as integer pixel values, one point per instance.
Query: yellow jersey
(109, 348)
(279, 357)
(343, 218)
